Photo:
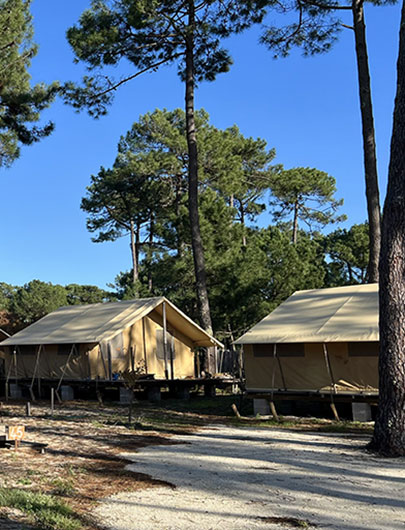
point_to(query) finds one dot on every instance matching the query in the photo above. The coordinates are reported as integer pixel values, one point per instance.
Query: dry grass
(81, 463)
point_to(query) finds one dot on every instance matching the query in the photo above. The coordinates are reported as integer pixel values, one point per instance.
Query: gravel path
(235, 479)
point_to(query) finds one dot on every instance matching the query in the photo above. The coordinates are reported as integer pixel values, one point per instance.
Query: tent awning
(339, 314)
(94, 323)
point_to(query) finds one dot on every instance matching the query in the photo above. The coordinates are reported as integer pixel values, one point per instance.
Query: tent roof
(340, 314)
(97, 322)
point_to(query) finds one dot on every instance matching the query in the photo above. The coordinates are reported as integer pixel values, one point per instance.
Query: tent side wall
(52, 362)
(303, 367)
(136, 345)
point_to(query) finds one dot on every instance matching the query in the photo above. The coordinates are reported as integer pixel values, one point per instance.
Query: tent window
(290, 350)
(27, 349)
(363, 349)
(160, 352)
(65, 349)
(263, 350)
(117, 347)
(283, 350)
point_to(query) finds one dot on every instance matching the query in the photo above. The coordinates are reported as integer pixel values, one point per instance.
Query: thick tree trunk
(295, 224)
(198, 251)
(389, 431)
(369, 148)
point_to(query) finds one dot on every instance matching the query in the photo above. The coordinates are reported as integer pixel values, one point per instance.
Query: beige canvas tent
(99, 341)
(322, 339)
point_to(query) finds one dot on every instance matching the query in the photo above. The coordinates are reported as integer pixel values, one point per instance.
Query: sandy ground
(248, 478)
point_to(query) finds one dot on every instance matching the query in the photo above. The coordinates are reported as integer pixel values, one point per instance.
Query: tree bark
(135, 272)
(242, 222)
(389, 431)
(150, 252)
(369, 146)
(295, 224)
(198, 251)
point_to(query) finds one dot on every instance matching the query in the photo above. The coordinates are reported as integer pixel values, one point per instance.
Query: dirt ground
(249, 478)
(81, 462)
(88, 447)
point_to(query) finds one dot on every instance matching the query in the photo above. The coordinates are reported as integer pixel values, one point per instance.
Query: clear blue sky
(307, 108)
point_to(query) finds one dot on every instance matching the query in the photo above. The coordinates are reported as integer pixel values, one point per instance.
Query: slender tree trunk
(135, 272)
(369, 148)
(389, 431)
(151, 233)
(179, 242)
(295, 224)
(242, 220)
(198, 251)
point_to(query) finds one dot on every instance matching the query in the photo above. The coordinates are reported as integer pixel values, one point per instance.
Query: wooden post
(131, 353)
(131, 400)
(109, 362)
(274, 411)
(236, 411)
(171, 357)
(72, 349)
(35, 373)
(332, 381)
(144, 345)
(52, 400)
(103, 361)
(9, 375)
(15, 365)
(28, 409)
(99, 398)
(165, 340)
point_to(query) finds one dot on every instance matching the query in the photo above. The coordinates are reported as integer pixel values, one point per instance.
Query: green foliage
(20, 104)
(348, 252)
(86, 294)
(307, 194)
(45, 510)
(314, 26)
(36, 299)
(30, 302)
(147, 34)
(6, 295)
(244, 282)
(147, 189)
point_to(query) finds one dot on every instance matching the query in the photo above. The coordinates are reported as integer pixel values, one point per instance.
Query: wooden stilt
(333, 389)
(274, 411)
(31, 389)
(52, 401)
(236, 411)
(72, 349)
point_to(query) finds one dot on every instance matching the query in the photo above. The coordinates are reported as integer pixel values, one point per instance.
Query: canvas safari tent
(317, 340)
(99, 341)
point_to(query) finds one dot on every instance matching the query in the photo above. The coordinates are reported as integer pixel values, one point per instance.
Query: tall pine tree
(146, 35)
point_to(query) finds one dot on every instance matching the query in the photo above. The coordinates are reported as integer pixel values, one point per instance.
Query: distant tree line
(246, 278)
(24, 305)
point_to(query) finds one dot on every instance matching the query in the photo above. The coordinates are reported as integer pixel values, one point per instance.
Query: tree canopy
(307, 194)
(20, 104)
